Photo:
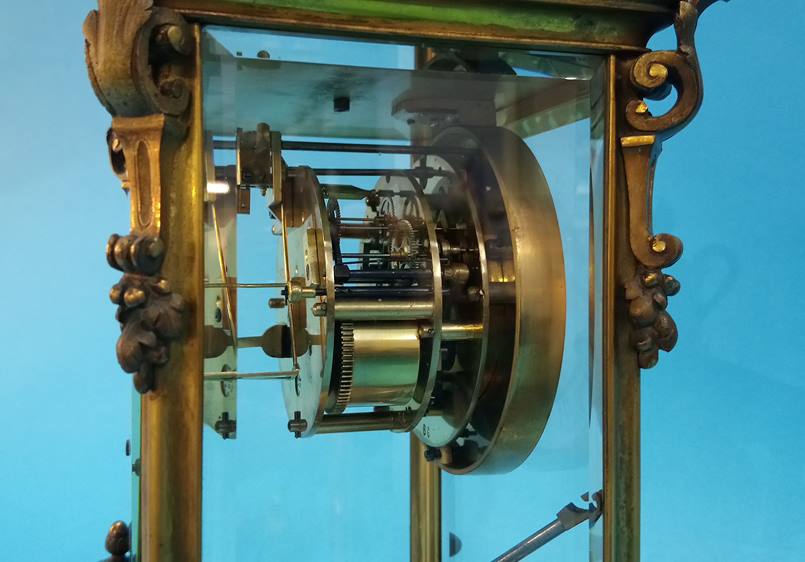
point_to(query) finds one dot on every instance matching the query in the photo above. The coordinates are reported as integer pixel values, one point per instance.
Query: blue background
(723, 415)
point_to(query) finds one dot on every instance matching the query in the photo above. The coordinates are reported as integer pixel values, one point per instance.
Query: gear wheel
(404, 240)
(347, 362)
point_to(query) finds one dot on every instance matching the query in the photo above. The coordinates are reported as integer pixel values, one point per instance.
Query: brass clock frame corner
(156, 148)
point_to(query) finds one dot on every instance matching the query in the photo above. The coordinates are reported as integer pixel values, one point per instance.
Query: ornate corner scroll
(134, 53)
(137, 56)
(653, 76)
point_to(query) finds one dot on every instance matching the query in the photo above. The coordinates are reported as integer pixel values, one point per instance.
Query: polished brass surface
(510, 415)
(385, 363)
(172, 414)
(458, 332)
(221, 335)
(307, 237)
(426, 506)
(383, 309)
(415, 207)
(621, 371)
(422, 248)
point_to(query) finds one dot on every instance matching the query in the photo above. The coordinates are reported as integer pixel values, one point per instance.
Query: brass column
(172, 413)
(426, 506)
(144, 63)
(621, 372)
(426, 477)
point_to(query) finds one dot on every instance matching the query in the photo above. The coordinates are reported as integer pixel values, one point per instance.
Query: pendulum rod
(568, 518)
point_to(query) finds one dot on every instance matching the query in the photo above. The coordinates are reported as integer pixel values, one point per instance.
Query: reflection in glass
(400, 310)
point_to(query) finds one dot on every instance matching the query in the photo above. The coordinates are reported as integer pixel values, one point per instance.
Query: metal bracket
(653, 76)
(135, 53)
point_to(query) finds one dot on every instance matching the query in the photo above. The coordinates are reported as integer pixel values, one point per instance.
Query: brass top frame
(597, 26)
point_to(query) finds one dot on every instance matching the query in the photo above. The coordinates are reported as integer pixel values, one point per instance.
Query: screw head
(658, 246)
(432, 454)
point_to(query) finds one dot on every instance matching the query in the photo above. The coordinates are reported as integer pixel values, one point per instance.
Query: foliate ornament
(653, 76)
(135, 53)
(654, 329)
(137, 59)
(150, 315)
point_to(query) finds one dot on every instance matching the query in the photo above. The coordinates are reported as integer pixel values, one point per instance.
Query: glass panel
(487, 515)
(391, 247)
(265, 494)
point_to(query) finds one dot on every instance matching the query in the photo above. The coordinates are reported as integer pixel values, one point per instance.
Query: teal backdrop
(723, 415)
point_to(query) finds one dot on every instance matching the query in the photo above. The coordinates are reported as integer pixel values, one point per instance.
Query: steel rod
(418, 172)
(455, 332)
(371, 148)
(353, 255)
(370, 255)
(265, 376)
(383, 292)
(345, 191)
(568, 518)
(384, 275)
(355, 147)
(244, 285)
(372, 421)
(532, 543)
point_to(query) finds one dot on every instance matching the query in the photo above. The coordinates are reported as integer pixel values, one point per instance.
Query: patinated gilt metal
(133, 50)
(652, 76)
(143, 64)
(118, 542)
(143, 58)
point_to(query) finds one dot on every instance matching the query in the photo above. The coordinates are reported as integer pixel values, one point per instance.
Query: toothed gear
(344, 391)
(404, 240)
